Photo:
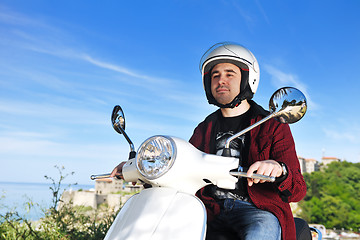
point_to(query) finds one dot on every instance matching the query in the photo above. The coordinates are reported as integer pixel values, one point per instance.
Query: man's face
(225, 82)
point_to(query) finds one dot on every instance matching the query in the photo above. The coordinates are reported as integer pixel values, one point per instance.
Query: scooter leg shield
(159, 214)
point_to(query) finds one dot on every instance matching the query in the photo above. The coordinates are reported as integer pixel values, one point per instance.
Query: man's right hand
(117, 172)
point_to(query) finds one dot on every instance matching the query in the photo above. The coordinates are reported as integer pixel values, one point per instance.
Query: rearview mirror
(118, 119)
(118, 122)
(288, 104)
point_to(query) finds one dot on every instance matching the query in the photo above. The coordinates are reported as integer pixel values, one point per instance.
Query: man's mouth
(222, 89)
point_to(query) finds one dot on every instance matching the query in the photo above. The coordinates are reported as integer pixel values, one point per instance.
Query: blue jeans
(242, 220)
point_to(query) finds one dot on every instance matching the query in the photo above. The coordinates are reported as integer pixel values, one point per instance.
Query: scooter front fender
(160, 214)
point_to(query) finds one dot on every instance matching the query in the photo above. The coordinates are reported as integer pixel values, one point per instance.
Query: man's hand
(268, 167)
(118, 170)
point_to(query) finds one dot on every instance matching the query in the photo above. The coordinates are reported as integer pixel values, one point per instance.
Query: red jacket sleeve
(273, 140)
(293, 186)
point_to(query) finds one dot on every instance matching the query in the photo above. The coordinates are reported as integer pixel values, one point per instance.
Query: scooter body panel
(160, 214)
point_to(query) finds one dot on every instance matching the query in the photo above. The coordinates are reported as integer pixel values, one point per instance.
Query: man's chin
(224, 102)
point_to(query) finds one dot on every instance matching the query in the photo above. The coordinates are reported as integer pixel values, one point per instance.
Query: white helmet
(226, 52)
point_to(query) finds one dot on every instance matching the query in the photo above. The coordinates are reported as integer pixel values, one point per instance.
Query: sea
(16, 196)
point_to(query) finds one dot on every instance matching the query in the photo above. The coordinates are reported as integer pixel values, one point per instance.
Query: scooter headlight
(155, 156)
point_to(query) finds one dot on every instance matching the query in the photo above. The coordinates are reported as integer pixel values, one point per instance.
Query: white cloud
(56, 42)
(32, 144)
(13, 18)
(51, 112)
(113, 67)
(343, 130)
(281, 79)
(262, 11)
(54, 101)
(340, 135)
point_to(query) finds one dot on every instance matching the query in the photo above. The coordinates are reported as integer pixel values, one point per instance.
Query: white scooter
(176, 171)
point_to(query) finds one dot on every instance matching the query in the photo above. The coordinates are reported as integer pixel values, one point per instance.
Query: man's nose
(222, 80)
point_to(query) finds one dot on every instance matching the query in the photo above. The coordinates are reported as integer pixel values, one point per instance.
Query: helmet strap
(235, 102)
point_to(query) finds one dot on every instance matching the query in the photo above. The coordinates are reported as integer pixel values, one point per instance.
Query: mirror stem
(227, 143)
(132, 148)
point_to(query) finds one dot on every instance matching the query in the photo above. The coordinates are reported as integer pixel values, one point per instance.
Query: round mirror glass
(118, 119)
(289, 104)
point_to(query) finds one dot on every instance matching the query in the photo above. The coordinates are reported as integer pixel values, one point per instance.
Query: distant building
(311, 165)
(106, 191)
(108, 185)
(308, 165)
(326, 160)
(302, 164)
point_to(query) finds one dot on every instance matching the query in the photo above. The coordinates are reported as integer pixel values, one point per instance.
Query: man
(256, 209)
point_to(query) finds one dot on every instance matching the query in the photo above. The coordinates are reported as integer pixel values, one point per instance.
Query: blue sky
(65, 64)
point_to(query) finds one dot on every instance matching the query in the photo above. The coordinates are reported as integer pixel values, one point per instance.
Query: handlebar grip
(255, 176)
(105, 175)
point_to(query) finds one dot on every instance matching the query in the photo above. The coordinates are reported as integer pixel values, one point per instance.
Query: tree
(333, 196)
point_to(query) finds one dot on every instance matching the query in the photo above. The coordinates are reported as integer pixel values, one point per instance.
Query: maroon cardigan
(270, 140)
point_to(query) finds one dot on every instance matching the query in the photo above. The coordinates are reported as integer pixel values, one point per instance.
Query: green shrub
(65, 223)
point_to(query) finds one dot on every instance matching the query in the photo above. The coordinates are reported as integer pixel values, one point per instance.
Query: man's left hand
(268, 168)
